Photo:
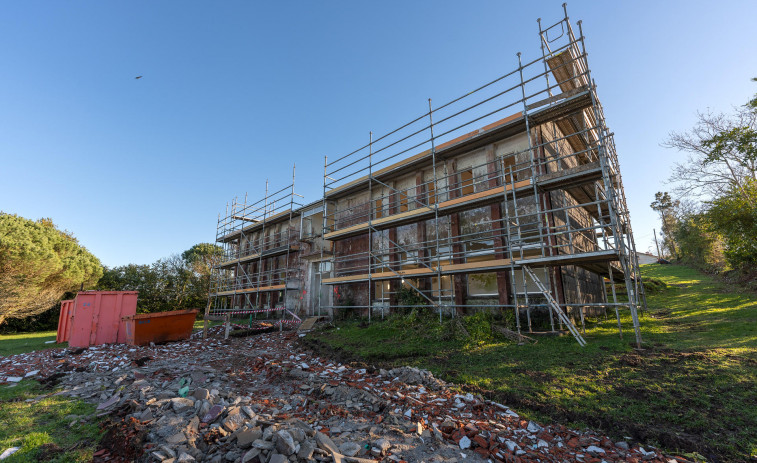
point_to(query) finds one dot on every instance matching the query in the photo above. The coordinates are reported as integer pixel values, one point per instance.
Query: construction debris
(258, 399)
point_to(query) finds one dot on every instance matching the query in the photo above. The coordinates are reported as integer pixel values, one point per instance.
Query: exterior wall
(466, 237)
(470, 236)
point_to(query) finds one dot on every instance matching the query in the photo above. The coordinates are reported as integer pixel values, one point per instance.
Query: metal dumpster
(64, 321)
(159, 327)
(96, 317)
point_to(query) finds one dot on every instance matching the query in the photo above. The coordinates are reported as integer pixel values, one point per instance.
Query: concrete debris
(261, 400)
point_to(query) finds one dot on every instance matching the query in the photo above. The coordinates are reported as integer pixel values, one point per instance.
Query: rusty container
(64, 321)
(97, 317)
(159, 327)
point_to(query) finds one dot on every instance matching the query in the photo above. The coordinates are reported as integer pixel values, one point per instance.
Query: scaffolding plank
(231, 263)
(568, 178)
(269, 253)
(570, 259)
(262, 289)
(564, 70)
(268, 220)
(555, 98)
(426, 156)
(445, 207)
(471, 267)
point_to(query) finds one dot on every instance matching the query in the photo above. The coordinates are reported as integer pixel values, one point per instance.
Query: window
(482, 284)
(382, 291)
(475, 231)
(325, 267)
(466, 182)
(529, 287)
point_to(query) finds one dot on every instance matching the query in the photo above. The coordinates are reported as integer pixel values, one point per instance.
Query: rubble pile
(259, 400)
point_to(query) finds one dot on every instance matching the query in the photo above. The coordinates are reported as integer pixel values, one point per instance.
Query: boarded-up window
(403, 201)
(431, 193)
(508, 166)
(379, 208)
(466, 182)
(446, 290)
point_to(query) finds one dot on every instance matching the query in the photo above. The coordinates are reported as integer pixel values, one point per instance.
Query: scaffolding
(520, 200)
(259, 274)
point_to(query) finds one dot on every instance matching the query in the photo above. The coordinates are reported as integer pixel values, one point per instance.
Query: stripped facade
(526, 211)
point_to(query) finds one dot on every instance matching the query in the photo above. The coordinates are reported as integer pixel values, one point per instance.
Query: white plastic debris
(9, 452)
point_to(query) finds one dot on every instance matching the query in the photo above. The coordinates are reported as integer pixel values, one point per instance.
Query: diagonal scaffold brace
(555, 307)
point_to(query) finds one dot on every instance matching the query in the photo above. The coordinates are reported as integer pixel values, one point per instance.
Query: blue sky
(236, 92)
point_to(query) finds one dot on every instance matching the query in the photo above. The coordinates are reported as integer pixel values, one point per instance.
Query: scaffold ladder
(555, 307)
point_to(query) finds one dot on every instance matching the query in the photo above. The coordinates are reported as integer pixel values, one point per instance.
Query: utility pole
(659, 256)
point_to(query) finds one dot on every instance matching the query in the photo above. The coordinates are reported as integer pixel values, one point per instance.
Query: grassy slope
(691, 388)
(11, 344)
(42, 426)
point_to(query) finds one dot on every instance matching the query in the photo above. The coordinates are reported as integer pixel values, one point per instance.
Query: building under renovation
(506, 198)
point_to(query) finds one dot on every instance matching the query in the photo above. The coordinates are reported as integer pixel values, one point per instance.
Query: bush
(654, 285)
(698, 244)
(734, 215)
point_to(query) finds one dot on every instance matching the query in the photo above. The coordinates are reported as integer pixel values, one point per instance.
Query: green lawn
(11, 344)
(692, 388)
(41, 426)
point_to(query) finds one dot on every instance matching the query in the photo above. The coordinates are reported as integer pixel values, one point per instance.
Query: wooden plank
(403, 215)
(239, 260)
(470, 267)
(272, 219)
(308, 324)
(452, 203)
(344, 231)
(554, 98)
(439, 151)
(251, 290)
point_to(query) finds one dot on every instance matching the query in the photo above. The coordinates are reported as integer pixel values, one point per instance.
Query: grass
(691, 389)
(11, 344)
(39, 424)
(198, 325)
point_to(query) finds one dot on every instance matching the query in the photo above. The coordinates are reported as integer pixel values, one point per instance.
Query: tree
(664, 205)
(734, 215)
(721, 151)
(38, 264)
(202, 258)
(721, 170)
(698, 242)
(132, 277)
(179, 281)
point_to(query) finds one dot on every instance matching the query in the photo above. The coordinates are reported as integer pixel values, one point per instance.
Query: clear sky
(235, 92)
